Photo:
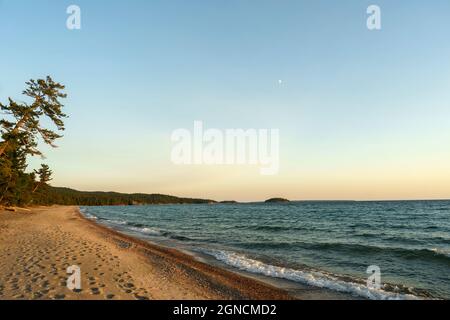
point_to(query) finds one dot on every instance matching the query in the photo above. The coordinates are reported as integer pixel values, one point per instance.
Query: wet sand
(37, 247)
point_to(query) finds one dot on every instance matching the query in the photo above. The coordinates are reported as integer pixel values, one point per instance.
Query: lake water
(322, 244)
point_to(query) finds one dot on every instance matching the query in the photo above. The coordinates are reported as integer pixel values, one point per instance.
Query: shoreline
(222, 240)
(296, 290)
(187, 260)
(113, 265)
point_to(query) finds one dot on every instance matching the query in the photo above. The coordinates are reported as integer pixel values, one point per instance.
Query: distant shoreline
(67, 196)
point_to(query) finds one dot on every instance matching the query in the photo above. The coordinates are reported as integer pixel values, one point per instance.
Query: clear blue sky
(362, 114)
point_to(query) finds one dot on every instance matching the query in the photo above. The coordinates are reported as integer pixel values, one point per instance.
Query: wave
(116, 222)
(146, 230)
(88, 215)
(275, 228)
(173, 236)
(137, 227)
(353, 248)
(311, 278)
(441, 252)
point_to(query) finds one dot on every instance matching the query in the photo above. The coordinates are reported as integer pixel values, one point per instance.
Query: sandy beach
(37, 247)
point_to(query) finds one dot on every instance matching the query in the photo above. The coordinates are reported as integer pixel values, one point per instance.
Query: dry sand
(37, 247)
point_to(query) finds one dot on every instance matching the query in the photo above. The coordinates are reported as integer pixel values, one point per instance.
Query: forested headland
(65, 196)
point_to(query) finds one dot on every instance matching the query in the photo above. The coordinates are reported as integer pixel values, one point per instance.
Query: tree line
(66, 196)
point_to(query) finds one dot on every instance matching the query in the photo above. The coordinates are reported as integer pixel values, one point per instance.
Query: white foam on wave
(441, 252)
(316, 279)
(116, 222)
(146, 230)
(89, 216)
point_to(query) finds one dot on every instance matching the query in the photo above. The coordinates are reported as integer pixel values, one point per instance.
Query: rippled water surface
(326, 244)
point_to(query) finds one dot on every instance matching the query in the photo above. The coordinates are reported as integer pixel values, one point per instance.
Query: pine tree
(15, 184)
(44, 174)
(20, 129)
(25, 119)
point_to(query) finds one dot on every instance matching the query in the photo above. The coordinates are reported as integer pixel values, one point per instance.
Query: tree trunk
(35, 188)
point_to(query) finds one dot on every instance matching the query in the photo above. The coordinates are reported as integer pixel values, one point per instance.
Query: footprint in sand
(95, 291)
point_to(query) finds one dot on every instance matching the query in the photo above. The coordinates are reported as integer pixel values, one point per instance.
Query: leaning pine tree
(45, 95)
(44, 174)
(20, 129)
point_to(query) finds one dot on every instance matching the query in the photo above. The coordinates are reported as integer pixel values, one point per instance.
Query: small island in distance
(277, 200)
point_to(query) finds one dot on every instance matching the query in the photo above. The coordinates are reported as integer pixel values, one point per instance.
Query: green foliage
(277, 200)
(64, 196)
(15, 184)
(44, 174)
(24, 119)
(20, 131)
